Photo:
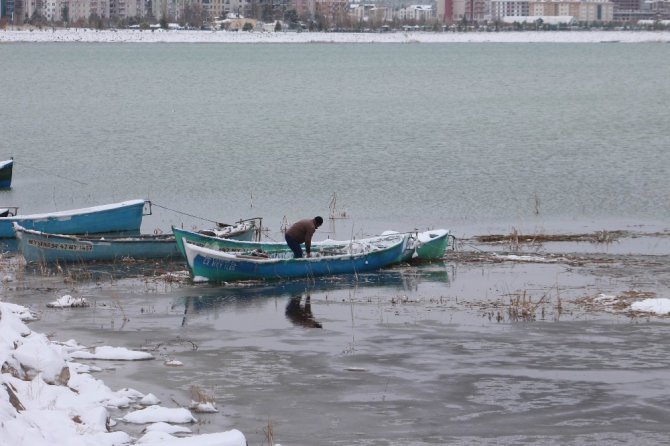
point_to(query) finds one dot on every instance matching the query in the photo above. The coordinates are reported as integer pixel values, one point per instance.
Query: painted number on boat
(60, 246)
(219, 264)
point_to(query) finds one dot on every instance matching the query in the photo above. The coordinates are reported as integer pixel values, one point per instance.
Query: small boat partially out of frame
(210, 265)
(42, 247)
(116, 217)
(6, 168)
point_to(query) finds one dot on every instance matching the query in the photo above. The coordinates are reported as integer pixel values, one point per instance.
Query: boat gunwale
(74, 212)
(225, 256)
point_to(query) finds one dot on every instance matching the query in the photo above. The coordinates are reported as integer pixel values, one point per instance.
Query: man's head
(318, 221)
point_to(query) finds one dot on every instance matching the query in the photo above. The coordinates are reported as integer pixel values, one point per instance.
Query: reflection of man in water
(301, 315)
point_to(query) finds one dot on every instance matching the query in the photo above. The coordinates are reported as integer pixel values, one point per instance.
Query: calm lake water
(473, 137)
(476, 138)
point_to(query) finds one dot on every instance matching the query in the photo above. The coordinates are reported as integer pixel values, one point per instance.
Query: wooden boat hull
(207, 264)
(428, 245)
(6, 168)
(43, 247)
(116, 217)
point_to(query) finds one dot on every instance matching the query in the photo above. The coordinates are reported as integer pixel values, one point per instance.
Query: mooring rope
(153, 203)
(51, 173)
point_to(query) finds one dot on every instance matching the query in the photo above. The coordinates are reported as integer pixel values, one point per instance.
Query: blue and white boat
(116, 217)
(206, 264)
(421, 246)
(42, 247)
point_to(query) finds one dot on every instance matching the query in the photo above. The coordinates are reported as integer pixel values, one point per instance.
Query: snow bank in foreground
(174, 36)
(46, 399)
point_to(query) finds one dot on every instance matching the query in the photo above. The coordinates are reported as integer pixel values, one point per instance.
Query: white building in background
(85, 9)
(165, 9)
(127, 8)
(459, 9)
(417, 12)
(369, 12)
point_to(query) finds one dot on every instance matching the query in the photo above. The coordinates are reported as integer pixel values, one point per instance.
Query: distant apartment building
(6, 9)
(28, 9)
(73, 11)
(239, 8)
(330, 9)
(507, 8)
(444, 10)
(569, 10)
(449, 11)
(60, 10)
(165, 9)
(178, 10)
(227, 9)
(629, 5)
(634, 10)
(659, 7)
(581, 11)
(98, 8)
(218, 8)
(477, 10)
(418, 13)
(370, 12)
(127, 8)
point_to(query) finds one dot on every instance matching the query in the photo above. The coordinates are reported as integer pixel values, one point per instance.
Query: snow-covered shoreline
(180, 36)
(46, 398)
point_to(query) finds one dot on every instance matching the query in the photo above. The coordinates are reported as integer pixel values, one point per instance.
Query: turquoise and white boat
(235, 241)
(427, 245)
(116, 217)
(206, 264)
(42, 247)
(244, 231)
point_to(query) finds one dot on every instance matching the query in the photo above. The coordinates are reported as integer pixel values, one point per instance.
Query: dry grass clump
(176, 344)
(522, 308)
(13, 398)
(269, 434)
(515, 239)
(176, 277)
(202, 401)
(198, 394)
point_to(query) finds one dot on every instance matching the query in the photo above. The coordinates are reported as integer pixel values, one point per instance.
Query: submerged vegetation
(514, 238)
